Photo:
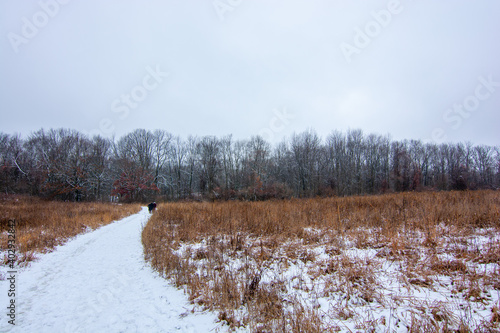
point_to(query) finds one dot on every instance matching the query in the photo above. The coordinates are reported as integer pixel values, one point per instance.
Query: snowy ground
(377, 288)
(99, 282)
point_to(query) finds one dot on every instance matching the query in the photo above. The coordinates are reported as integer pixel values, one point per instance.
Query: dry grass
(337, 264)
(42, 225)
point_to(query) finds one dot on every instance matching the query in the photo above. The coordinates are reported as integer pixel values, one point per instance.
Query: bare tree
(209, 157)
(483, 159)
(160, 151)
(258, 151)
(99, 168)
(178, 155)
(305, 149)
(65, 164)
(62, 156)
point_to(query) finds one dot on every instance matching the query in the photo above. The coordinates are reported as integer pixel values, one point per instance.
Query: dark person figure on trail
(152, 206)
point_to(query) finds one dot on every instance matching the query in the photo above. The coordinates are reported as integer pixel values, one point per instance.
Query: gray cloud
(230, 75)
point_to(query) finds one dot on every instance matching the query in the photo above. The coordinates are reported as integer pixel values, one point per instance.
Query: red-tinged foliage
(134, 184)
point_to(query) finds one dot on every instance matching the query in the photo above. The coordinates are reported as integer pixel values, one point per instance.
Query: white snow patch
(99, 282)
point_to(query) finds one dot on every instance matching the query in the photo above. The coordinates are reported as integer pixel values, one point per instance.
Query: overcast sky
(414, 69)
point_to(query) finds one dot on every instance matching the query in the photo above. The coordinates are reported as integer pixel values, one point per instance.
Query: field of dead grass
(42, 225)
(417, 262)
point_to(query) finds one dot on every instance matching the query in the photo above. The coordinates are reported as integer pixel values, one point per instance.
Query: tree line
(144, 165)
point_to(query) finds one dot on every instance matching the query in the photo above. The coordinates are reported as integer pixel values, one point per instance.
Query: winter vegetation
(42, 225)
(406, 262)
(142, 165)
(349, 233)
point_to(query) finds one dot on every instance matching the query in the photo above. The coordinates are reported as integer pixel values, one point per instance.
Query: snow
(382, 295)
(99, 282)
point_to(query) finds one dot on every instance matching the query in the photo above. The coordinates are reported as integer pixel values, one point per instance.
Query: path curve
(99, 282)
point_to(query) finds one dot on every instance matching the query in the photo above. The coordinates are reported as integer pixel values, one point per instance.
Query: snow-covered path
(99, 282)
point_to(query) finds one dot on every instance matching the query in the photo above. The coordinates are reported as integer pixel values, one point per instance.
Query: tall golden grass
(193, 243)
(42, 225)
